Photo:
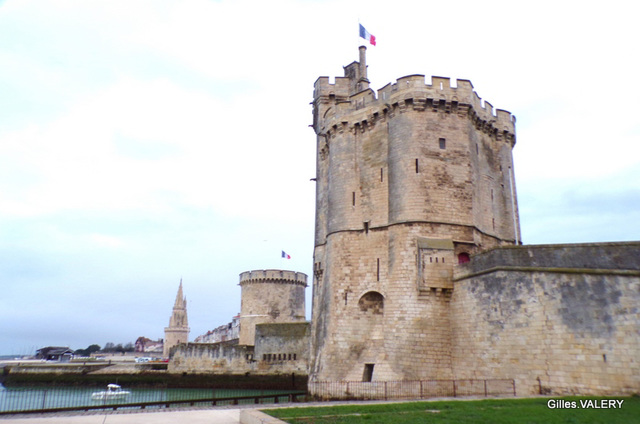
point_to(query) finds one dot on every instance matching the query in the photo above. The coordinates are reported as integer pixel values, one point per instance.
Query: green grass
(495, 411)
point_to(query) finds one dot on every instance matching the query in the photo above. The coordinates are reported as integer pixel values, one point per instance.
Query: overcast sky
(142, 142)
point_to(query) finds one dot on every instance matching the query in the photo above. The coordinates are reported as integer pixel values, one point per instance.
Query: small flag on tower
(285, 255)
(369, 37)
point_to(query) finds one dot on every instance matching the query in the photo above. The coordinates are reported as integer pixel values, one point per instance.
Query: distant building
(178, 330)
(145, 345)
(223, 333)
(54, 353)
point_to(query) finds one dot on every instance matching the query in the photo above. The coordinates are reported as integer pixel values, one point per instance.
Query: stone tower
(178, 330)
(410, 181)
(270, 296)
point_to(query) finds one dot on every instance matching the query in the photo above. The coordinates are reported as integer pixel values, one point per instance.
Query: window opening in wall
(443, 143)
(378, 270)
(381, 174)
(366, 227)
(353, 198)
(367, 375)
(372, 302)
(417, 168)
(477, 149)
(294, 356)
(463, 258)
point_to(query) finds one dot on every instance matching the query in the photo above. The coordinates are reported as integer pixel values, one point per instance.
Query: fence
(420, 389)
(74, 398)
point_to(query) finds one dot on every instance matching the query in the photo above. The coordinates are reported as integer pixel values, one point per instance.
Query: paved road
(204, 416)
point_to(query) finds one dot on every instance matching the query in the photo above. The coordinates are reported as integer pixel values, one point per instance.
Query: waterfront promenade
(199, 416)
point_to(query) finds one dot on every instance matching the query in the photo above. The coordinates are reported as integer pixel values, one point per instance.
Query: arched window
(463, 258)
(372, 302)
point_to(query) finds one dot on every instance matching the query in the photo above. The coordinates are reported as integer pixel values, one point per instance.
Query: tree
(88, 351)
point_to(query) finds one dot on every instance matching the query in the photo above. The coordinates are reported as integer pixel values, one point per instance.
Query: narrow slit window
(353, 198)
(443, 143)
(381, 175)
(417, 167)
(378, 270)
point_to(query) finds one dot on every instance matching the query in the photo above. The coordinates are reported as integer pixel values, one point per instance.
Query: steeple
(178, 329)
(181, 301)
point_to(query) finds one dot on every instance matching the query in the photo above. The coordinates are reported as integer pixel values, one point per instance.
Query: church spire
(181, 301)
(178, 329)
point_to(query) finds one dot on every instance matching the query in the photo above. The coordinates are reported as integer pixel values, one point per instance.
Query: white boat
(113, 392)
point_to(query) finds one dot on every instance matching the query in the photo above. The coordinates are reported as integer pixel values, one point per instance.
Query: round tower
(270, 296)
(410, 181)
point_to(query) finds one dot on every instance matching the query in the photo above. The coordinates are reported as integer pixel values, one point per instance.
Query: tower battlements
(270, 296)
(333, 102)
(273, 276)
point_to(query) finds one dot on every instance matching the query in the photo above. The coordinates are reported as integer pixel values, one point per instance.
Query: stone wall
(214, 358)
(561, 319)
(279, 349)
(270, 296)
(282, 348)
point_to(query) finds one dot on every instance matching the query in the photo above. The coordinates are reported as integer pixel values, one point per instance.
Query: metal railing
(405, 389)
(56, 399)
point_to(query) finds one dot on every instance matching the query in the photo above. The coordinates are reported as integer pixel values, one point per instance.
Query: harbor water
(16, 399)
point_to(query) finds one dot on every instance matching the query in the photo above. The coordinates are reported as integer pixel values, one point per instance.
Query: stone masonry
(178, 330)
(409, 181)
(418, 269)
(273, 337)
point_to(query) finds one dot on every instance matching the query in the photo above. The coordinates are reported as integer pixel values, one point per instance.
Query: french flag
(285, 255)
(369, 37)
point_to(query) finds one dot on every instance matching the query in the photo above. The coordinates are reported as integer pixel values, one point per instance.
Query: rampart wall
(279, 349)
(562, 319)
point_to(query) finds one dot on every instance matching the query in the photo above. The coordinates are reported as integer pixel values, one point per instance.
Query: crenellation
(412, 186)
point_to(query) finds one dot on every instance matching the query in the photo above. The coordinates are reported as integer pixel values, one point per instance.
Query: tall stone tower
(178, 330)
(270, 296)
(410, 181)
